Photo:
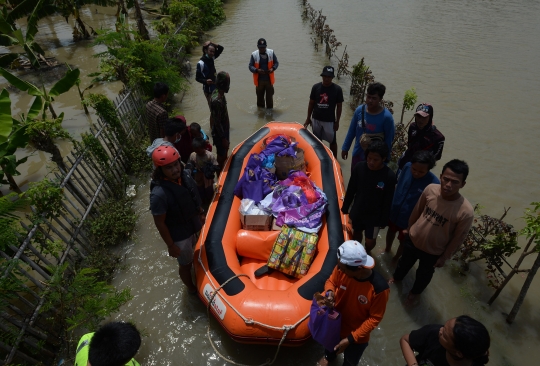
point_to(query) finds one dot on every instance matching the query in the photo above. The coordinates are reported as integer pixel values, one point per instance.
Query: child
(114, 343)
(204, 165)
(371, 187)
(197, 131)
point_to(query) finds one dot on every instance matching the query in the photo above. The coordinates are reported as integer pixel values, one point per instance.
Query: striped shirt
(156, 115)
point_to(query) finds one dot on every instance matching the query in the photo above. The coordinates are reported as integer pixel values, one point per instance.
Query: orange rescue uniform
(361, 303)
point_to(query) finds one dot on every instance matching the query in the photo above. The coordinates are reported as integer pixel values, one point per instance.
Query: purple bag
(324, 325)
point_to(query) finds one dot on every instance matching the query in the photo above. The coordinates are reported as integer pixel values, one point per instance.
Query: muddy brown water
(474, 61)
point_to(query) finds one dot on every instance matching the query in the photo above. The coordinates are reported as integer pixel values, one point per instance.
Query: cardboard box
(284, 164)
(274, 226)
(256, 222)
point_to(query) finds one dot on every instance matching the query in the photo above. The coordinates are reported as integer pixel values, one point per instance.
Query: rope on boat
(285, 328)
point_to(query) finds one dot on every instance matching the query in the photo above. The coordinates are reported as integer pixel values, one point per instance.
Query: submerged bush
(115, 222)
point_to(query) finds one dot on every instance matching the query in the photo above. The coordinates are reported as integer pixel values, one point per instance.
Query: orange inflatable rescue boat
(264, 310)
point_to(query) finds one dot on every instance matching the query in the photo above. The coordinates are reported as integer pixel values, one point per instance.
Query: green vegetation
(115, 222)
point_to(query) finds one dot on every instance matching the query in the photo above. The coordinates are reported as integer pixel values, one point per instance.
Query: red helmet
(164, 155)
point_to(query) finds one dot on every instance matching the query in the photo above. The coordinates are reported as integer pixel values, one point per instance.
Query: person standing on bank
(219, 118)
(423, 135)
(324, 109)
(177, 209)
(262, 64)
(360, 295)
(438, 225)
(206, 70)
(370, 119)
(156, 114)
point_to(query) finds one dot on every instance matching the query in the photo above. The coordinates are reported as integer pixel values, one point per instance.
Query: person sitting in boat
(460, 341)
(177, 209)
(360, 295)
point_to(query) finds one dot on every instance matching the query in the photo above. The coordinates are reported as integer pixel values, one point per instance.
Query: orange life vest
(257, 59)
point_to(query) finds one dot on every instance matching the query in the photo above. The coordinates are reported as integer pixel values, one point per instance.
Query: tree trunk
(524, 290)
(12, 183)
(141, 26)
(82, 28)
(402, 114)
(53, 113)
(513, 271)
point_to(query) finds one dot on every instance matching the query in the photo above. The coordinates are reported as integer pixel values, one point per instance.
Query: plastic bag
(324, 325)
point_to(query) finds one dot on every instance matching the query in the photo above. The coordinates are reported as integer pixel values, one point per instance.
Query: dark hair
(376, 88)
(195, 125)
(160, 89)
(424, 157)
(458, 167)
(173, 126)
(114, 344)
(157, 173)
(205, 47)
(198, 143)
(378, 147)
(471, 338)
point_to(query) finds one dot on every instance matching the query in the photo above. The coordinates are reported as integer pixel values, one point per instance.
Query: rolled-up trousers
(265, 88)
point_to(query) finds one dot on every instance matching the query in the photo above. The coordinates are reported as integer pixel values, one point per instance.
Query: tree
(10, 36)
(12, 136)
(42, 132)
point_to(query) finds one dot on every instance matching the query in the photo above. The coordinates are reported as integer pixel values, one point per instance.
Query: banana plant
(11, 36)
(43, 98)
(12, 137)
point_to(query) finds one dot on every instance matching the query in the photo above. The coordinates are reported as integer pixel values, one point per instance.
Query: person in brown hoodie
(438, 225)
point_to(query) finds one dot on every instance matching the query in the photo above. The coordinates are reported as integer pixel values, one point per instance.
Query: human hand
(260, 71)
(270, 71)
(174, 251)
(341, 346)
(440, 262)
(307, 123)
(336, 126)
(209, 82)
(344, 154)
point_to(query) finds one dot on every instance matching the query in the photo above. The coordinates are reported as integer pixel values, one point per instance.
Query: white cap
(352, 253)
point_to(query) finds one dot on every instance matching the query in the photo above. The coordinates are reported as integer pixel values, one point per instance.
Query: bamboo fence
(35, 339)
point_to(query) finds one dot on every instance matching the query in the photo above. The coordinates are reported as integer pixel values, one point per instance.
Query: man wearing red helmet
(177, 209)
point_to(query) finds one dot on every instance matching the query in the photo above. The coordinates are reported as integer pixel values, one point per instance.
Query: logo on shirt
(324, 99)
(434, 217)
(380, 185)
(362, 299)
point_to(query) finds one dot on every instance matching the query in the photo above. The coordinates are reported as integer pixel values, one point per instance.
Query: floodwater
(474, 61)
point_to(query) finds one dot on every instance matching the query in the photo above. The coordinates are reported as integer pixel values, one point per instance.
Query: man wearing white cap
(360, 294)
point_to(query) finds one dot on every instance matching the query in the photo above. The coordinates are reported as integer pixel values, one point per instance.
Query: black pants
(265, 87)
(425, 270)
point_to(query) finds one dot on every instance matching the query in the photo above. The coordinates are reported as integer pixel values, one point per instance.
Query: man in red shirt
(360, 295)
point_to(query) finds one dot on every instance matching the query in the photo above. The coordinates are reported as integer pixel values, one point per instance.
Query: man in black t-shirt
(324, 110)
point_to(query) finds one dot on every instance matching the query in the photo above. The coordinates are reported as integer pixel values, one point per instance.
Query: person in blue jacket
(377, 119)
(412, 180)
(206, 70)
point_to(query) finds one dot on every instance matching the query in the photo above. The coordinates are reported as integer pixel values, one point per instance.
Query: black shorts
(371, 232)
